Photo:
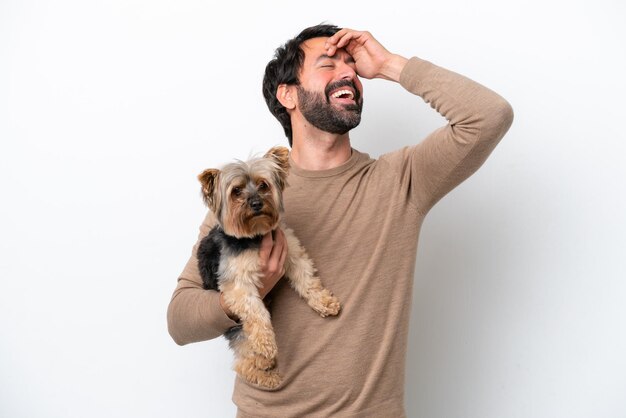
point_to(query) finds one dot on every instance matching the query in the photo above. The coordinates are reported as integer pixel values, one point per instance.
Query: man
(358, 218)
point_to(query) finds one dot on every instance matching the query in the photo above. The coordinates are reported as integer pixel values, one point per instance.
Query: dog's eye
(236, 191)
(263, 186)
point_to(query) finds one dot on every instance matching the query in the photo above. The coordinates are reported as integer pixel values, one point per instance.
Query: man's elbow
(177, 338)
(498, 120)
(506, 114)
(174, 328)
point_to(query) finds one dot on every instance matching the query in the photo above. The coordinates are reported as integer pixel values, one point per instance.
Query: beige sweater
(360, 224)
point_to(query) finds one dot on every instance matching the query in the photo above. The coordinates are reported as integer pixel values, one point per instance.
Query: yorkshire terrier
(246, 198)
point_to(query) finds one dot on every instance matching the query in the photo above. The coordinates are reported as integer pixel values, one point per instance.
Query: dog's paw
(269, 379)
(325, 303)
(247, 369)
(264, 363)
(264, 344)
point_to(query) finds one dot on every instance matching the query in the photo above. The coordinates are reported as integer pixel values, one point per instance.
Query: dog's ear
(280, 155)
(209, 179)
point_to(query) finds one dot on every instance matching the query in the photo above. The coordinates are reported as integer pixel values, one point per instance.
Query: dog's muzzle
(256, 204)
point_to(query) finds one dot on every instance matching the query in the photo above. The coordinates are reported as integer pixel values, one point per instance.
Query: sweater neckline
(355, 156)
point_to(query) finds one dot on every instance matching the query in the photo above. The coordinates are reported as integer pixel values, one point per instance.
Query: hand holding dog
(272, 255)
(371, 58)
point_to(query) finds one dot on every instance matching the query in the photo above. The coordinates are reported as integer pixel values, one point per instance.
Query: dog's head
(247, 196)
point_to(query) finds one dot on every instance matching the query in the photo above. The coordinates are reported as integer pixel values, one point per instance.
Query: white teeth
(341, 92)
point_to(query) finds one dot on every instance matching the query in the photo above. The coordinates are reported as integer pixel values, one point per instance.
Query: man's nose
(346, 71)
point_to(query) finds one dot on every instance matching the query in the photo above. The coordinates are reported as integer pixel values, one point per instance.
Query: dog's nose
(256, 205)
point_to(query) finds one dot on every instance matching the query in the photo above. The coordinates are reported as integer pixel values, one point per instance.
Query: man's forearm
(392, 68)
(478, 118)
(194, 313)
(465, 103)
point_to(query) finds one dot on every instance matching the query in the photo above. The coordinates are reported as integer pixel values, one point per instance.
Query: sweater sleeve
(477, 119)
(195, 314)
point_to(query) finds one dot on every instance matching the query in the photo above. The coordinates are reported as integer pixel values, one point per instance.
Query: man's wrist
(393, 67)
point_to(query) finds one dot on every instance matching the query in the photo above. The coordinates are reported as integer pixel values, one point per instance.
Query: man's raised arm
(477, 117)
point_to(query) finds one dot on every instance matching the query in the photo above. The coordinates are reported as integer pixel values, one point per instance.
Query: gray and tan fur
(246, 197)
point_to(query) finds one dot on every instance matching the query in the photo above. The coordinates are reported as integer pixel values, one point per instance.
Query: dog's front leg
(259, 341)
(256, 350)
(301, 273)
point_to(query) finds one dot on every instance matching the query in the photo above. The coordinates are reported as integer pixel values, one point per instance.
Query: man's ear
(286, 95)
(209, 180)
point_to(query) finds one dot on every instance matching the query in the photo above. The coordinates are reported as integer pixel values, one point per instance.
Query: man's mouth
(343, 96)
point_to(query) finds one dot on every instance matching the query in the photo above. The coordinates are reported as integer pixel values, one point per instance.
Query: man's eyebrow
(334, 57)
(323, 57)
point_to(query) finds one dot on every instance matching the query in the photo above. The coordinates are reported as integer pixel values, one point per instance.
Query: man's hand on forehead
(342, 39)
(371, 58)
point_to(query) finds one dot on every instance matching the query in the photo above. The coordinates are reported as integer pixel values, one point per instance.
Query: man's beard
(319, 112)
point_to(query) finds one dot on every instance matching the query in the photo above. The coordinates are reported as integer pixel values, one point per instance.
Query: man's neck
(322, 152)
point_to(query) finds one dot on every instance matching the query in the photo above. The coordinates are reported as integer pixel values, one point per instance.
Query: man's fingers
(267, 243)
(343, 38)
(283, 254)
(333, 41)
(348, 37)
(277, 258)
(272, 253)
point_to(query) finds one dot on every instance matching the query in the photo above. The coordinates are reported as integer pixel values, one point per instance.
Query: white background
(108, 111)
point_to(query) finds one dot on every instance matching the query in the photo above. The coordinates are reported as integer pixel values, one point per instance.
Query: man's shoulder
(397, 160)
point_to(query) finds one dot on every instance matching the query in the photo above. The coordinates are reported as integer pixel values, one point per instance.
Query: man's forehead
(314, 48)
(315, 43)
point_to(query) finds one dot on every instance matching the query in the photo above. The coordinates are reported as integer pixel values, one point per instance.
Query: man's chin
(342, 129)
(342, 102)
